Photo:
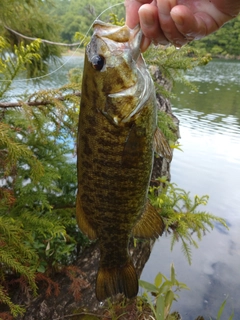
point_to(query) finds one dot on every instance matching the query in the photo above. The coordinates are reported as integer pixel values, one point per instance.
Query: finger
(132, 7)
(167, 24)
(196, 22)
(149, 22)
(187, 23)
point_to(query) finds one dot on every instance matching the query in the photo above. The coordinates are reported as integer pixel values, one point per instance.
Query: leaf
(167, 285)
(182, 285)
(169, 299)
(41, 269)
(148, 286)
(220, 311)
(173, 278)
(231, 317)
(158, 280)
(160, 307)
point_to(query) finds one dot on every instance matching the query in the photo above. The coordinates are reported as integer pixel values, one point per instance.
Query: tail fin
(111, 281)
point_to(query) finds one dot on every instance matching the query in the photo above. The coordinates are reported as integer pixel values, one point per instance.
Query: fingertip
(190, 25)
(176, 15)
(148, 15)
(145, 44)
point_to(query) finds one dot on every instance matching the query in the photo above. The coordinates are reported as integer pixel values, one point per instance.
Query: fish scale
(117, 123)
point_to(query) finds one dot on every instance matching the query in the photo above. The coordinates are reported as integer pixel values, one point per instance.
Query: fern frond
(15, 309)
(46, 225)
(167, 126)
(15, 150)
(12, 64)
(9, 261)
(172, 63)
(181, 217)
(186, 250)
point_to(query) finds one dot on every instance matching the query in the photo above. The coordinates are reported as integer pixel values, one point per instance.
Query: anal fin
(83, 224)
(150, 226)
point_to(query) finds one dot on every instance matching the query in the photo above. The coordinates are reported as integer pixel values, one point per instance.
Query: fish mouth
(120, 34)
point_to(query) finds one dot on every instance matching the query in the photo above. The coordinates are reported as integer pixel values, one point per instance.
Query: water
(210, 164)
(58, 76)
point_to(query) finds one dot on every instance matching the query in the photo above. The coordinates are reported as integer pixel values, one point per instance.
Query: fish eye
(98, 62)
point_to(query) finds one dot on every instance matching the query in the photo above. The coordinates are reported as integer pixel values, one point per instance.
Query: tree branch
(36, 103)
(43, 40)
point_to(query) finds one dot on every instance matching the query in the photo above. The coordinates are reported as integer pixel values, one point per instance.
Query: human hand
(178, 21)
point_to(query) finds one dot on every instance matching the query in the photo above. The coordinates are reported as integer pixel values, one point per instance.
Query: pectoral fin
(150, 226)
(161, 145)
(83, 224)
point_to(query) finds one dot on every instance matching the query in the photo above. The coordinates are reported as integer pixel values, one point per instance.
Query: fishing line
(70, 58)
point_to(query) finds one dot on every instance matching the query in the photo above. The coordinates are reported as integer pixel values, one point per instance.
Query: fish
(117, 137)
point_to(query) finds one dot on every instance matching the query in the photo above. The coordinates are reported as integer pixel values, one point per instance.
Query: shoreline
(78, 52)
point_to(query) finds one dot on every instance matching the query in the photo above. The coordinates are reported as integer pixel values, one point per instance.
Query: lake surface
(58, 76)
(209, 164)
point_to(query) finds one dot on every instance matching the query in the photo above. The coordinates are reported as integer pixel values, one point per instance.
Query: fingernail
(145, 44)
(161, 41)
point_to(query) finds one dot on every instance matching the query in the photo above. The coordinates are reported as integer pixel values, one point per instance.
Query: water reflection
(210, 164)
(218, 89)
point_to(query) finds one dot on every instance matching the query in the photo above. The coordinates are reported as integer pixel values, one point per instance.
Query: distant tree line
(224, 42)
(78, 15)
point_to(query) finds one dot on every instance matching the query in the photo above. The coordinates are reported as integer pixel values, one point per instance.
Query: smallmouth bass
(115, 149)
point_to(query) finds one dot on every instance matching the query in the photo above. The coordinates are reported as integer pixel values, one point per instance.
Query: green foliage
(16, 310)
(167, 126)
(173, 62)
(38, 230)
(221, 309)
(37, 205)
(115, 20)
(224, 42)
(78, 15)
(169, 130)
(14, 60)
(164, 292)
(29, 17)
(181, 215)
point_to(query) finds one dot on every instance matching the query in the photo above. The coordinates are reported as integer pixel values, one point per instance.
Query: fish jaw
(128, 84)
